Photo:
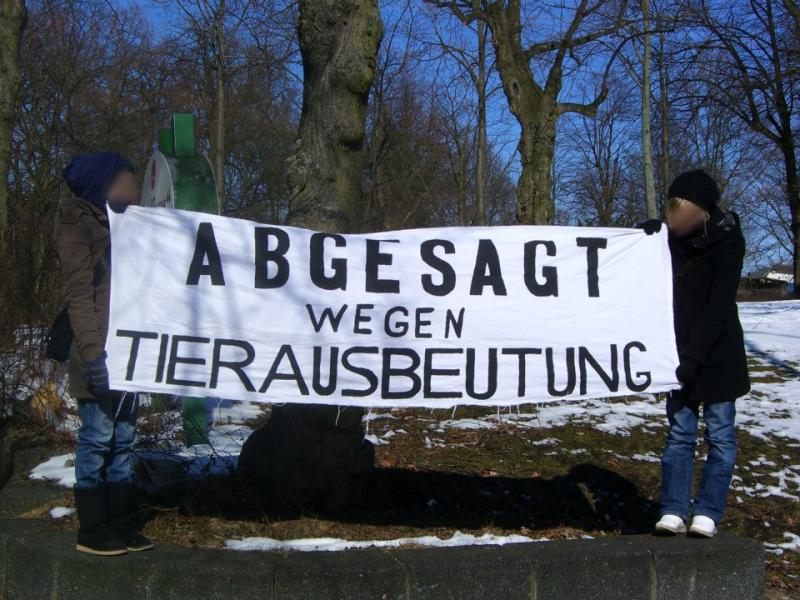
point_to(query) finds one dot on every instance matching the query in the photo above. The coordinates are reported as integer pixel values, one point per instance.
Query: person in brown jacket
(103, 470)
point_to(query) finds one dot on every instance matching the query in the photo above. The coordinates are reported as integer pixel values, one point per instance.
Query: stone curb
(37, 562)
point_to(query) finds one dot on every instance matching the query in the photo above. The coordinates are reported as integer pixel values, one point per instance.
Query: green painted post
(178, 177)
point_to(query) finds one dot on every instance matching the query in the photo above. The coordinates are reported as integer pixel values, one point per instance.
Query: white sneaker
(703, 526)
(670, 525)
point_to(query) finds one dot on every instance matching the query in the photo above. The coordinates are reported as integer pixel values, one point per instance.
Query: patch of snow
(374, 416)
(337, 544)
(60, 512)
(649, 457)
(771, 409)
(466, 424)
(58, 469)
(792, 543)
(546, 442)
(787, 485)
(434, 443)
(232, 411)
(375, 440)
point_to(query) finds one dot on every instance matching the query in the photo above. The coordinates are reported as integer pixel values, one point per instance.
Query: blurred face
(683, 216)
(124, 189)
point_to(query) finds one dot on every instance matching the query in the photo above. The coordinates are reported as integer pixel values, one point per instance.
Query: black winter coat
(706, 269)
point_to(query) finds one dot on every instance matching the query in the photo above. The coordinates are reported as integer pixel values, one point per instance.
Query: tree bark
(647, 149)
(316, 456)
(536, 111)
(663, 86)
(12, 21)
(793, 199)
(481, 159)
(535, 201)
(536, 107)
(338, 43)
(219, 137)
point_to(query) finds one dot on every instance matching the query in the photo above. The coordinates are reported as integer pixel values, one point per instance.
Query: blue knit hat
(88, 176)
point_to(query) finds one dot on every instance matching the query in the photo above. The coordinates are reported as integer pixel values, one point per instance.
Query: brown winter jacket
(82, 238)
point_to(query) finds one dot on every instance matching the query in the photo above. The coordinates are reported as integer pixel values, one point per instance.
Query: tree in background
(213, 27)
(537, 106)
(12, 21)
(476, 64)
(93, 76)
(423, 128)
(593, 176)
(406, 146)
(749, 62)
(435, 147)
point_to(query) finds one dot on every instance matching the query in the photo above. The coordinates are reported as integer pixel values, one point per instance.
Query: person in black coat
(707, 249)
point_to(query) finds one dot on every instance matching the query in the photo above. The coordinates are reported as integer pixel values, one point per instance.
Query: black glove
(96, 374)
(650, 226)
(118, 206)
(687, 371)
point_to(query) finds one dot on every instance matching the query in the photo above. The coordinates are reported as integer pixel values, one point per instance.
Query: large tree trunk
(316, 456)
(338, 41)
(535, 201)
(536, 107)
(12, 20)
(536, 111)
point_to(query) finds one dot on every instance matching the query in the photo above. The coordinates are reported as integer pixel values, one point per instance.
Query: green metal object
(178, 177)
(183, 134)
(166, 141)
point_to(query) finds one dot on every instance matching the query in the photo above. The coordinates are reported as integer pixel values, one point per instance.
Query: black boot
(94, 534)
(121, 520)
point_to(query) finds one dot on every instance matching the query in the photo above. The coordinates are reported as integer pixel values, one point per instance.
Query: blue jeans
(677, 460)
(105, 439)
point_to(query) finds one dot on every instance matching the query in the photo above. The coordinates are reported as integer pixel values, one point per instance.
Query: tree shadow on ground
(782, 368)
(588, 497)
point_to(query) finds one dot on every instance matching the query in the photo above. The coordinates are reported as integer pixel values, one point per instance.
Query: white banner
(203, 305)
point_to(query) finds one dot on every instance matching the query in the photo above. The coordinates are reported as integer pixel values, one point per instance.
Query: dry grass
(501, 480)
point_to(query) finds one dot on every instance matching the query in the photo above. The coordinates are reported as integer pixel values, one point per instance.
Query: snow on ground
(227, 434)
(616, 416)
(771, 409)
(60, 512)
(336, 544)
(58, 469)
(772, 329)
(792, 543)
(771, 412)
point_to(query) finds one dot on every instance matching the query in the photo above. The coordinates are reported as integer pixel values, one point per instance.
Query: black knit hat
(698, 187)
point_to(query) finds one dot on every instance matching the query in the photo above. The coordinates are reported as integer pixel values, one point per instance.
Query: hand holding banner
(208, 305)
